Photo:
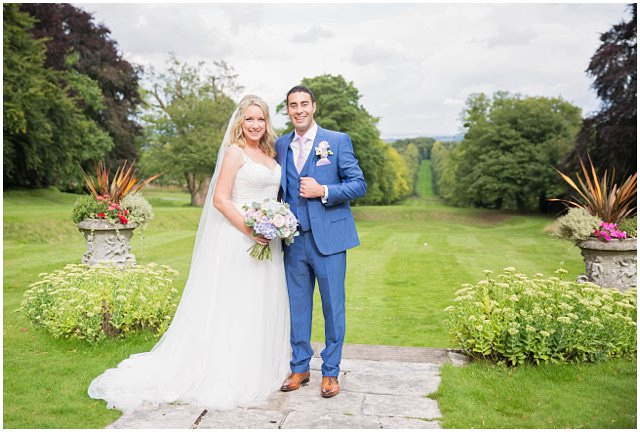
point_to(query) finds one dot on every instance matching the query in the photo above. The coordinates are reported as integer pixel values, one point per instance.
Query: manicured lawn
(587, 396)
(412, 259)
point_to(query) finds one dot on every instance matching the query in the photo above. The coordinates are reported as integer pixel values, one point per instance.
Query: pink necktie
(301, 154)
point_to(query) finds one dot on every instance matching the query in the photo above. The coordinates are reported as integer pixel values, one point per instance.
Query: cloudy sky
(414, 64)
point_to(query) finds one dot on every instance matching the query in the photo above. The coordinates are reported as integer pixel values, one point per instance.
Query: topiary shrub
(92, 303)
(513, 319)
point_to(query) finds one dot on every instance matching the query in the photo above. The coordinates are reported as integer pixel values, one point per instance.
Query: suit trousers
(304, 264)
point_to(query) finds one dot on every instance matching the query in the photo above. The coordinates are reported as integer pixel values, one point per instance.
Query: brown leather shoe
(330, 387)
(295, 380)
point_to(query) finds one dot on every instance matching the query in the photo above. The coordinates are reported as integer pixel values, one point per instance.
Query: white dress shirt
(307, 144)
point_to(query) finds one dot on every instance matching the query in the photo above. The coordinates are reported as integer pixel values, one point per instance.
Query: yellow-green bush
(514, 319)
(92, 303)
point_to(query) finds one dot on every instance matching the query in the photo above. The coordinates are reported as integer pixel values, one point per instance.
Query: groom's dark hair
(301, 89)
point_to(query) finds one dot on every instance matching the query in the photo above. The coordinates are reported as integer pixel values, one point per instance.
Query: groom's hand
(309, 188)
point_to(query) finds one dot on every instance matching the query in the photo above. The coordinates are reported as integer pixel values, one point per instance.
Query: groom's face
(300, 108)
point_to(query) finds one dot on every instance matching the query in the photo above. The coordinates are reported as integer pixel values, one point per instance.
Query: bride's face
(254, 124)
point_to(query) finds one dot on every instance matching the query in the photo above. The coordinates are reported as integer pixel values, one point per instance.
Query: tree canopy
(508, 155)
(609, 137)
(45, 133)
(71, 31)
(189, 108)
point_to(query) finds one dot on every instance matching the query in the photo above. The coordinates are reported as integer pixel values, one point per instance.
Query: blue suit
(327, 230)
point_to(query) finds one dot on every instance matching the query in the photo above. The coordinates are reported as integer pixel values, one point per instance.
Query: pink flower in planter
(609, 231)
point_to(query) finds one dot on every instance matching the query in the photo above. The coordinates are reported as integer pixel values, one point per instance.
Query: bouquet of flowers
(270, 219)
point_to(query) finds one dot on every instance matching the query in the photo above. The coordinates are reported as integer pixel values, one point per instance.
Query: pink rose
(278, 220)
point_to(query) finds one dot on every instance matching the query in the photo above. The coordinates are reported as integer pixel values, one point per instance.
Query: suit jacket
(332, 223)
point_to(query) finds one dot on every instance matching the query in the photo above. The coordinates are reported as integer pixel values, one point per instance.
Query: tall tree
(70, 30)
(609, 137)
(507, 158)
(45, 134)
(189, 111)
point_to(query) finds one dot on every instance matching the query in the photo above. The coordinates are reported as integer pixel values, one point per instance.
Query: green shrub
(512, 319)
(139, 209)
(578, 224)
(630, 226)
(92, 303)
(85, 207)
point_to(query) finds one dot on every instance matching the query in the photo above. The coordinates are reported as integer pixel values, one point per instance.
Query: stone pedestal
(610, 264)
(107, 243)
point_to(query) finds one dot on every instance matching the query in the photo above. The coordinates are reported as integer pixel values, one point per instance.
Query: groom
(320, 175)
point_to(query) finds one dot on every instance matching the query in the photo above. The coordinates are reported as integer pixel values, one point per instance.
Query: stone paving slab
(242, 419)
(332, 420)
(171, 416)
(402, 406)
(407, 423)
(393, 384)
(381, 387)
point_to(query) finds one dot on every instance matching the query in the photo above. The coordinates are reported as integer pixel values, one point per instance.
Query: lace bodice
(254, 182)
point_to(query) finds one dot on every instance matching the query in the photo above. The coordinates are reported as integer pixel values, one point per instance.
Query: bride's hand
(258, 239)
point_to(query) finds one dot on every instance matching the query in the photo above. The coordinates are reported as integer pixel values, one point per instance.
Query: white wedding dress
(228, 344)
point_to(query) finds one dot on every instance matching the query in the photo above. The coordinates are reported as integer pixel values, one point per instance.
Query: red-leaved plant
(124, 181)
(600, 196)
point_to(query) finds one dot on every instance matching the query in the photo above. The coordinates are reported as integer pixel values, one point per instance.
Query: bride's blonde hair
(268, 139)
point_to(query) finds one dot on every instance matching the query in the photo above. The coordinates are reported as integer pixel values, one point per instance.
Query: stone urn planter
(107, 243)
(610, 264)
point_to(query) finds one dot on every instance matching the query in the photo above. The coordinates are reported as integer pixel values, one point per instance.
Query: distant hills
(456, 137)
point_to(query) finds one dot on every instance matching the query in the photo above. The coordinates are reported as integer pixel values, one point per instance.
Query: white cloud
(453, 102)
(414, 64)
(371, 52)
(312, 35)
(511, 35)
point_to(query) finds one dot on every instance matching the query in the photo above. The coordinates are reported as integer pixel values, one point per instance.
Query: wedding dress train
(228, 344)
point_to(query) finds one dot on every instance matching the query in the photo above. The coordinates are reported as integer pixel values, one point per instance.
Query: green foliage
(92, 303)
(444, 166)
(338, 108)
(513, 319)
(423, 144)
(507, 157)
(189, 111)
(630, 226)
(113, 97)
(139, 209)
(578, 224)
(45, 132)
(403, 183)
(610, 136)
(412, 159)
(85, 207)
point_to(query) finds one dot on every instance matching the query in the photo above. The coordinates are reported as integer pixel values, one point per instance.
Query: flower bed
(513, 319)
(92, 303)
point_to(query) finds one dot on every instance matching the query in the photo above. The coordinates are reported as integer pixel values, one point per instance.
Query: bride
(228, 344)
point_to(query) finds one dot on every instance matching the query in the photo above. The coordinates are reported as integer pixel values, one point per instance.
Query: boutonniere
(323, 152)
